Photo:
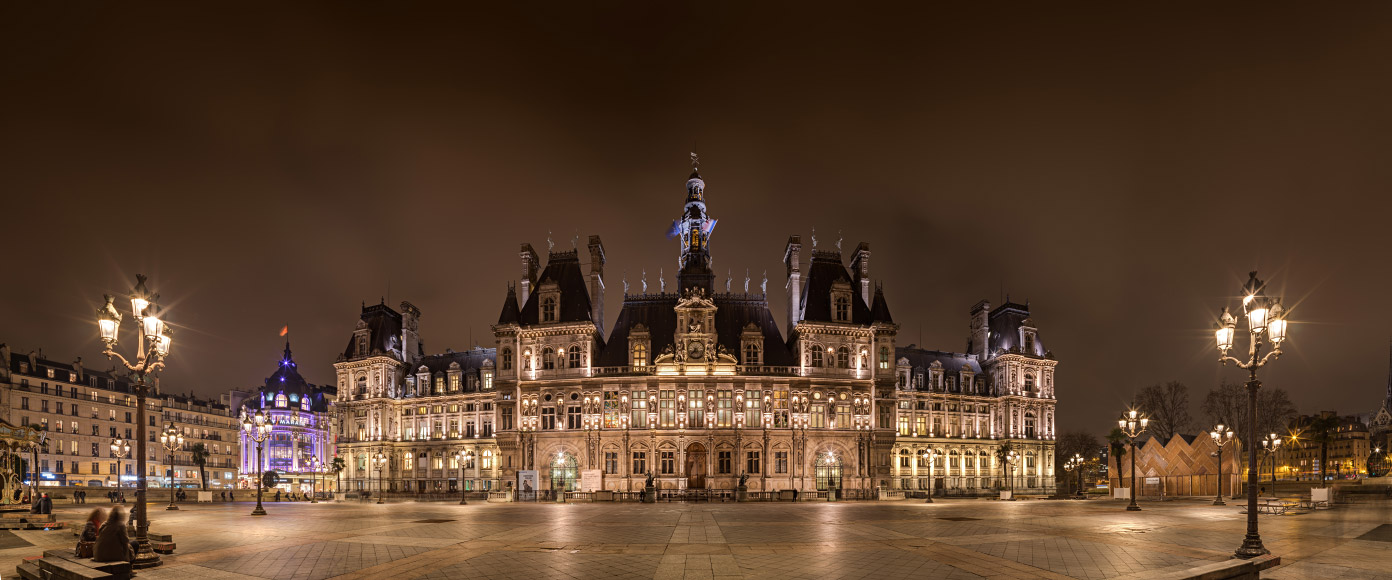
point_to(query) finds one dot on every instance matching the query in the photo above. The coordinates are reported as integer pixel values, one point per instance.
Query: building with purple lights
(299, 413)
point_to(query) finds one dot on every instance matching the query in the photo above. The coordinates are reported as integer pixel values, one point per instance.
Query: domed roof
(286, 379)
(695, 174)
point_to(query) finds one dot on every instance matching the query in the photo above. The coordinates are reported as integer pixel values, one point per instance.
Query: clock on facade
(695, 349)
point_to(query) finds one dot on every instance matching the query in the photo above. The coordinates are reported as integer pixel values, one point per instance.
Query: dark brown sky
(1121, 170)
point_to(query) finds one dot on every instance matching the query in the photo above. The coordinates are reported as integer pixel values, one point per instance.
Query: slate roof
(470, 361)
(562, 269)
(384, 324)
(879, 307)
(733, 312)
(286, 379)
(109, 380)
(1005, 322)
(951, 361)
(510, 314)
(826, 269)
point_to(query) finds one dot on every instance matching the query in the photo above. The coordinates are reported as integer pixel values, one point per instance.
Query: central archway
(695, 466)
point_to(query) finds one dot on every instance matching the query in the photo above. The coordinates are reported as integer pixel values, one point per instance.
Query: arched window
(304, 403)
(548, 309)
(573, 354)
(843, 309)
(548, 359)
(361, 389)
(884, 357)
(640, 355)
(751, 353)
(281, 401)
(904, 458)
(1029, 425)
(816, 356)
(843, 358)
(1029, 383)
(488, 459)
(506, 359)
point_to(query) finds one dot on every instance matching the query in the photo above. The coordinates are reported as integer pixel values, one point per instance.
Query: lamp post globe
(464, 456)
(1132, 423)
(1266, 322)
(257, 430)
(152, 346)
(379, 461)
(171, 439)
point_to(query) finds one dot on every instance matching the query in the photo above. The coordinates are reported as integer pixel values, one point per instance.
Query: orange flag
(285, 330)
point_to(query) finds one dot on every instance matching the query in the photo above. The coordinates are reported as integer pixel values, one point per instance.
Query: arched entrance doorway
(696, 466)
(564, 471)
(828, 471)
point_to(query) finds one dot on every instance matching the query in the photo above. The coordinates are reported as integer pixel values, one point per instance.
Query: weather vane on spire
(695, 159)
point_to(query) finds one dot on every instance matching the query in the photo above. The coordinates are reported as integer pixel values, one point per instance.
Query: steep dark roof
(879, 308)
(733, 312)
(384, 324)
(287, 380)
(563, 270)
(470, 361)
(510, 314)
(1005, 322)
(825, 270)
(109, 380)
(951, 361)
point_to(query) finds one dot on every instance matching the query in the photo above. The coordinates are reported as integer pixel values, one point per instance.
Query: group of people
(106, 539)
(293, 496)
(111, 496)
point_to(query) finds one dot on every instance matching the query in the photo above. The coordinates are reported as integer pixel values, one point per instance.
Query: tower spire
(694, 228)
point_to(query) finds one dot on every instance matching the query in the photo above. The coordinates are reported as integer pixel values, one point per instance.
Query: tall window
(454, 383)
(611, 461)
(884, 357)
(1029, 343)
(695, 416)
(669, 462)
(506, 359)
(724, 406)
(722, 465)
(843, 416)
(574, 355)
(640, 462)
(548, 359)
(1029, 383)
(751, 353)
(780, 409)
(667, 405)
(843, 358)
(612, 412)
(753, 409)
(548, 417)
(1029, 425)
(780, 462)
(573, 417)
(751, 462)
(639, 409)
(843, 309)
(640, 355)
(439, 383)
(816, 356)
(548, 309)
(281, 401)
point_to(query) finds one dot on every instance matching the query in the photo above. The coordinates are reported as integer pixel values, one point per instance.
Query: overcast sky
(1122, 171)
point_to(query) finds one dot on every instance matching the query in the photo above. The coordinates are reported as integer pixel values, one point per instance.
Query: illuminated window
(304, 403)
(548, 309)
(640, 355)
(884, 357)
(282, 401)
(751, 353)
(454, 383)
(410, 461)
(488, 460)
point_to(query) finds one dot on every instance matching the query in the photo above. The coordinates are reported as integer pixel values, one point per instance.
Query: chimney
(597, 283)
(4, 361)
(979, 338)
(410, 333)
(33, 362)
(792, 256)
(77, 367)
(860, 270)
(529, 272)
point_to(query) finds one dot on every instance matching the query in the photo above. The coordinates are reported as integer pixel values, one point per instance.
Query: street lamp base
(463, 502)
(928, 500)
(1219, 501)
(1251, 548)
(315, 500)
(259, 511)
(1133, 508)
(379, 500)
(145, 556)
(172, 507)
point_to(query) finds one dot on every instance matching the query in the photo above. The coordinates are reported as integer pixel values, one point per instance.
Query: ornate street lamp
(1269, 445)
(464, 456)
(172, 440)
(930, 456)
(257, 429)
(1076, 463)
(379, 461)
(120, 448)
(152, 346)
(314, 465)
(1010, 458)
(1265, 318)
(1222, 436)
(559, 468)
(1132, 424)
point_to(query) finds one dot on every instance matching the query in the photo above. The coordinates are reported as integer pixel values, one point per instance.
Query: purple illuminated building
(301, 428)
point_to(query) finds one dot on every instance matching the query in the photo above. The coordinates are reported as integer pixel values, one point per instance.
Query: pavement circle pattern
(952, 539)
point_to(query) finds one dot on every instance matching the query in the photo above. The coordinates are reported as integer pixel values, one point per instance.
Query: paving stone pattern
(953, 539)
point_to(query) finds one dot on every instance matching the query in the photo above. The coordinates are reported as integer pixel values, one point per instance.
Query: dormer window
(751, 354)
(573, 357)
(843, 309)
(548, 308)
(304, 404)
(1029, 343)
(816, 356)
(281, 401)
(640, 355)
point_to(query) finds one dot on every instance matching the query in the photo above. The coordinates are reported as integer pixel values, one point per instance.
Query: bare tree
(1081, 443)
(1168, 408)
(1227, 404)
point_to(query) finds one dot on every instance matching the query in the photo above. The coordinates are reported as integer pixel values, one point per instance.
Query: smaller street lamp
(930, 456)
(1076, 463)
(314, 465)
(379, 461)
(120, 448)
(172, 440)
(1269, 444)
(1222, 436)
(1132, 424)
(1010, 458)
(257, 429)
(465, 456)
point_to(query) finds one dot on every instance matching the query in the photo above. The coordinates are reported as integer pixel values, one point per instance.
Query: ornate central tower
(695, 228)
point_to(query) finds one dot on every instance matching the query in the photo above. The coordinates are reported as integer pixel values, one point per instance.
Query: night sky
(1122, 171)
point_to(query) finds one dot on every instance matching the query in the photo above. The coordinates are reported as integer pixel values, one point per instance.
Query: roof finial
(625, 281)
(814, 236)
(662, 279)
(575, 241)
(695, 159)
(746, 280)
(645, 281)
(550, 245)
(838, 240)
(728, 273)
(763, 286)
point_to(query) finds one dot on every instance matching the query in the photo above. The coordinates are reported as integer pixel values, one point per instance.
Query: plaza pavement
(894, 539)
